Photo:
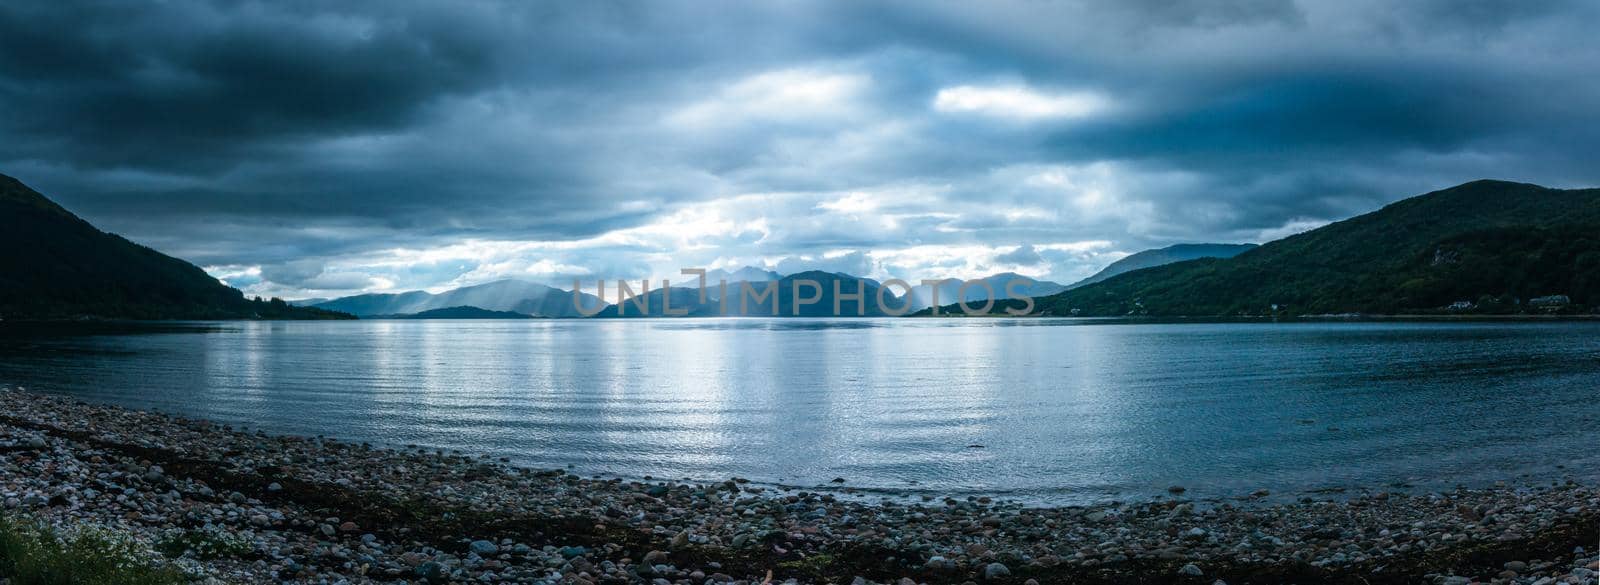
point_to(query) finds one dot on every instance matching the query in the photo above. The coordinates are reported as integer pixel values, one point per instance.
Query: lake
(1046, 410)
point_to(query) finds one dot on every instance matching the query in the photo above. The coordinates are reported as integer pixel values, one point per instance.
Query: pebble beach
(229, 506)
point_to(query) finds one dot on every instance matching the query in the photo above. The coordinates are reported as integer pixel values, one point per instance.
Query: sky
(317, 149)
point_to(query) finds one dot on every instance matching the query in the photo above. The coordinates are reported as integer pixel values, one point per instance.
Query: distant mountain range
(516, 296)
(457, 313)
(533, 299)
(769, 298)
(746, 274)
(1162, 257)
(1481, 247)
(58, 266)
(922, 295)
(1484, 246)
(748, 284)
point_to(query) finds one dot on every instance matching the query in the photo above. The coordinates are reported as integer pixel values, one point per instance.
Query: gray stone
(996, 571)
(431, 571)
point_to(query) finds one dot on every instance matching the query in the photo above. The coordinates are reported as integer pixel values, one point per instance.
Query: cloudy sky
(324, 148)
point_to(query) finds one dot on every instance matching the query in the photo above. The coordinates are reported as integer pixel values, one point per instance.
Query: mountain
(746, 274)
(922, 294)
(679, 297)
(58, 266)
(369, 305)
(516, 296)
(1164, 256)
(753, 299)
(1491, 244)
(460, 313)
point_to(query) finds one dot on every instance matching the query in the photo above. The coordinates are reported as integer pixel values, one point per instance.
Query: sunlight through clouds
(451, 143)
(787, 95)
(1019, 102)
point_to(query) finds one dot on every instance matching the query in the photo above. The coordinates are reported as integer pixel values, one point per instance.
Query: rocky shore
(231, 506)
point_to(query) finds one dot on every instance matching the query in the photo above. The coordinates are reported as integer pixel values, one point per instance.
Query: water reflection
(1056, 409)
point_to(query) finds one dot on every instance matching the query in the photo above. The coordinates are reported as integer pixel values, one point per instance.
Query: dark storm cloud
(311, 140)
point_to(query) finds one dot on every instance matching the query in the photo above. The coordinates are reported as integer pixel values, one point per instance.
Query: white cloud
(853, 203)
(235, 276)
(546, 267)
(1289, 228)
(1019, 102)
(1077, 247)
(785, 95)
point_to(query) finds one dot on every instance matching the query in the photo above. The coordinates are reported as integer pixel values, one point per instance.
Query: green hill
(1162, 257)
(1494, 244)
(58, 266)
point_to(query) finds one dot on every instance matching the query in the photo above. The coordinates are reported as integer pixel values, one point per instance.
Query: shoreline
(311, 509)
(1352, 317)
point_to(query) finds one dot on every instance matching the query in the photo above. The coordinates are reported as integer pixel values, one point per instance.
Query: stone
(1190, 570)
(483, 547)
(996, 571)
(432, 571)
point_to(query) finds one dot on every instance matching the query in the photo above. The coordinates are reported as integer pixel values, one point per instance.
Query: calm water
(1052, 410)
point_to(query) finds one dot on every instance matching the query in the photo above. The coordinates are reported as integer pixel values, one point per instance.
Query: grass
(203, 544)
(34, 554)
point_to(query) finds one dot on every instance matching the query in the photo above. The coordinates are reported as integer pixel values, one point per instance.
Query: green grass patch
(203, 544)
(34, 554)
